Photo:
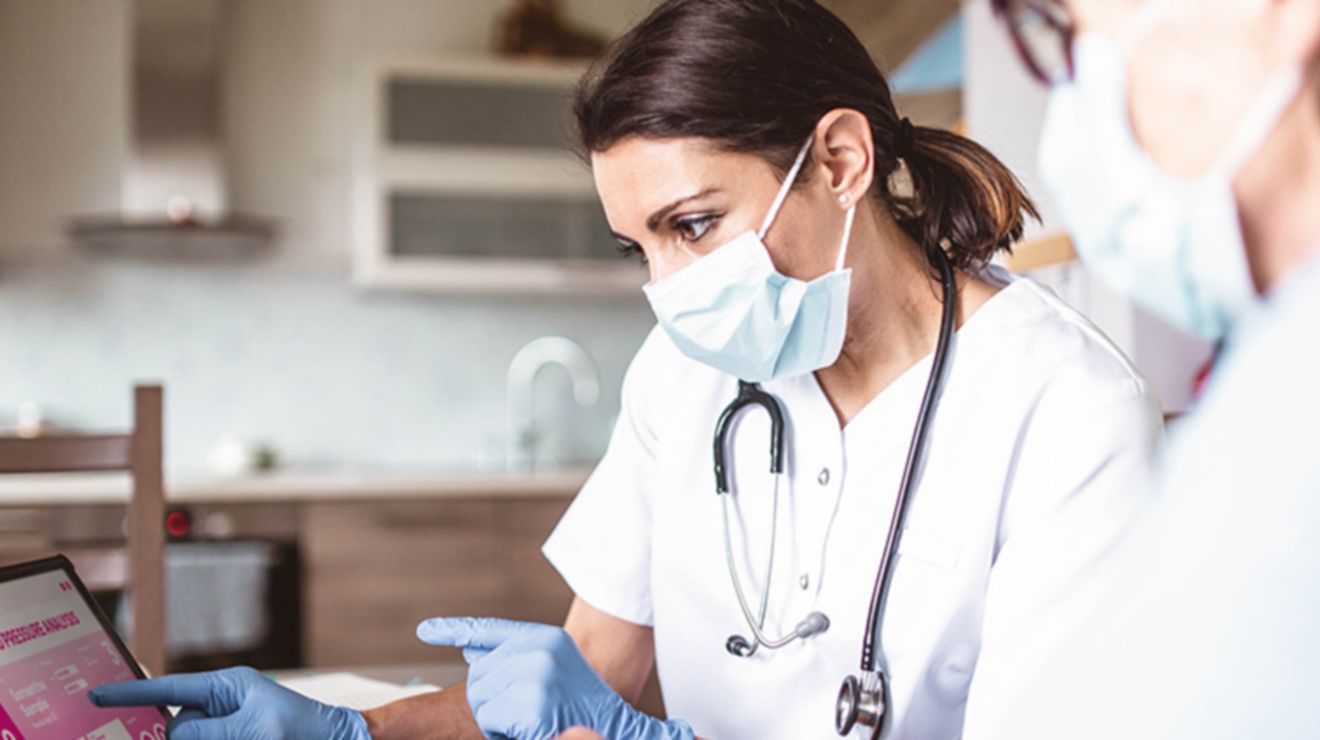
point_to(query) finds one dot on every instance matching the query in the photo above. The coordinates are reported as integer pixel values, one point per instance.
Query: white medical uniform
(1041, 418)
(1204, 622)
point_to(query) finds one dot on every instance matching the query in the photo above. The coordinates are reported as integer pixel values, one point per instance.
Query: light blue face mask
(733, 311)
(1173, 246)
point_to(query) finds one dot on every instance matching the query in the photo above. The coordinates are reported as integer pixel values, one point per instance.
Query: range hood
(175, 194)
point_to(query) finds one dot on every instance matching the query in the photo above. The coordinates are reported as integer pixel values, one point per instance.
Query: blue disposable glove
(530, 682)
(235, 704)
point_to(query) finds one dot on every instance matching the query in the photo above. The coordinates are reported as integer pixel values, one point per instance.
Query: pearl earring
(843, 200)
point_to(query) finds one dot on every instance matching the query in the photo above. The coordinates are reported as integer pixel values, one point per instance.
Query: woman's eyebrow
(653, 222)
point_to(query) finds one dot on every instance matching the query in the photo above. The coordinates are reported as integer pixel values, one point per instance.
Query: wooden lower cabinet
(374, 570)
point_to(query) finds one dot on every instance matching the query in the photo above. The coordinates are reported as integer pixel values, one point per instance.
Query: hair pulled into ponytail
(958, 197)
(756, 76)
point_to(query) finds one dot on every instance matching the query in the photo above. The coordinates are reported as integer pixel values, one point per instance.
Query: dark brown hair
(756, 76)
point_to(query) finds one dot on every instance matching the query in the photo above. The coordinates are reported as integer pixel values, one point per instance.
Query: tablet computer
(55, 646)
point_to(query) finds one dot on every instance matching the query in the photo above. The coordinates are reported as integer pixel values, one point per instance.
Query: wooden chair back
(140, 453)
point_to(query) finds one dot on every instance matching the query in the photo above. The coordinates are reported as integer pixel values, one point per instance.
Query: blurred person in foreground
(1182, 146)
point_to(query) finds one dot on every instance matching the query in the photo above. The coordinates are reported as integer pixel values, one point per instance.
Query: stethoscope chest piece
(861, 703)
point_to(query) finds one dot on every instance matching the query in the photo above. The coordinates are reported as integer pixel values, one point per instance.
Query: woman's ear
(845, 153)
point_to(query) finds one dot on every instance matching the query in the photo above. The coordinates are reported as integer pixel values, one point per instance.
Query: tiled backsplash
(328, 375)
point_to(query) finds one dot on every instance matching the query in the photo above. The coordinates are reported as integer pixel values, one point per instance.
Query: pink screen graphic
(51, 654)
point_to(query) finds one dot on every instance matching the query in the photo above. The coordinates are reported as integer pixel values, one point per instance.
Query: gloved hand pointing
(530, 682)
(235, 703)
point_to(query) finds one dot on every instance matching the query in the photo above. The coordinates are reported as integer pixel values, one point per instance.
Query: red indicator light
(178, 524)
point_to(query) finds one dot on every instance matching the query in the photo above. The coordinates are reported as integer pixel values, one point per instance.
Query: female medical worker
(708, 120)
(1182, 146)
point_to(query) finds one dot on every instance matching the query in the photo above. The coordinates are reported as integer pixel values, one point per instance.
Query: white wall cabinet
(468, 182)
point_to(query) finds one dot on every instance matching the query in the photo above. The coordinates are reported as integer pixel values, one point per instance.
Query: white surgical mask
(733, 311)
(1174, 246)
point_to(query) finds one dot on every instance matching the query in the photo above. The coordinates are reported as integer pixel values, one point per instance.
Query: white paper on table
(353, 691)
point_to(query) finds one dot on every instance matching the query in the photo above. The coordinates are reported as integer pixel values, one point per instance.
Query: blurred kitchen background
(349, 240)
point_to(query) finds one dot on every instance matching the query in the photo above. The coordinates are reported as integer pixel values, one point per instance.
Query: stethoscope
(863, 698)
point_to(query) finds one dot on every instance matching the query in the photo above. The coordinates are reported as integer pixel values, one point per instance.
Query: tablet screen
(53, 650)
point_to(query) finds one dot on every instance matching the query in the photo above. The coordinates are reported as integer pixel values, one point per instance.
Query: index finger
(469, 632)
(187, 690)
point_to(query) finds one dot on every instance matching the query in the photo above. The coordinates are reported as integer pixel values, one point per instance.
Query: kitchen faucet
(524, 437)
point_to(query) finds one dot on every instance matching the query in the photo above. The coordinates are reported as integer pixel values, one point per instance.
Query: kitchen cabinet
(466, 181)
(371, 568)
(374, 570)
(23, 535)
(378, 554)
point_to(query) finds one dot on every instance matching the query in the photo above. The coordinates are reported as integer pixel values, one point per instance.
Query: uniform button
(804, 580)
(824, 477)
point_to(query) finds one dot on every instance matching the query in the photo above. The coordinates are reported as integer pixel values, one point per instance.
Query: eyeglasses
(1042, 31)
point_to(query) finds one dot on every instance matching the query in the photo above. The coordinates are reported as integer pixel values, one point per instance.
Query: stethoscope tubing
(756, 623)
(751, 394)
(934, 384)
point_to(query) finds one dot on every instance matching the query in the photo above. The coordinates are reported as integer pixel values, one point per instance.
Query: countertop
(436, 674)
(291, 486)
